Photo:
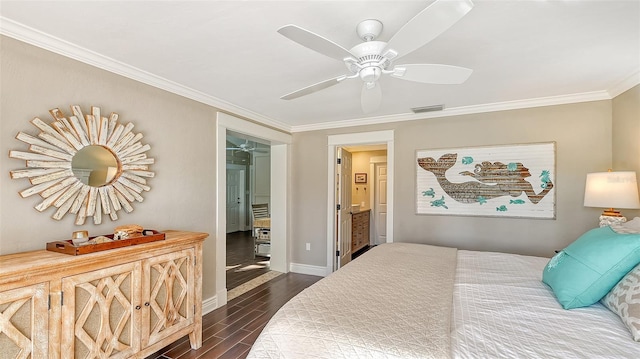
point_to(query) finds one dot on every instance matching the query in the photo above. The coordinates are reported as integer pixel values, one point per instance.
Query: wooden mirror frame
(48, 165)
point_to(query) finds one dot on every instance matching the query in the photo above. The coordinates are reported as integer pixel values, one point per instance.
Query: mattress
(501, 309)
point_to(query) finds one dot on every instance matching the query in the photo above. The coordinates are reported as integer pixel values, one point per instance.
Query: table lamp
(611, 190)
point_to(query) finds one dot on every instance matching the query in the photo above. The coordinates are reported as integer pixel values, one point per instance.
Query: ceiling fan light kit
(372, 59)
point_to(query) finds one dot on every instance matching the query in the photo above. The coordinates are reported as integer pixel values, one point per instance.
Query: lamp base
(611, 213)
(606, 220)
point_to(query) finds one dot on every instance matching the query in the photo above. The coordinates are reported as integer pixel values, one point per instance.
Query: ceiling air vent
(428, 109)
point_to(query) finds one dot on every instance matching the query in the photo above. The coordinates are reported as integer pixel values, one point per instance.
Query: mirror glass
(95, 166)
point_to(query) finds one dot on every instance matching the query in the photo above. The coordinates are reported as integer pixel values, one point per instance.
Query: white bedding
(382, 305)
(393, 302)
(502, 309)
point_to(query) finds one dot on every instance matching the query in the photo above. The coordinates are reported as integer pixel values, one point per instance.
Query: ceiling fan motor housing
(369, 59)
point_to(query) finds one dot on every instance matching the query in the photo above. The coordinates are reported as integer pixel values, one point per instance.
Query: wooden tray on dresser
(67, 246)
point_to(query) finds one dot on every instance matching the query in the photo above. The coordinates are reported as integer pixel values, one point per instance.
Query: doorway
(279, 147)
(247, 184)
(333, 226)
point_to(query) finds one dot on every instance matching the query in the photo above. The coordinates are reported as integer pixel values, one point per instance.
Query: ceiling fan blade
(428, 24)
(371, 97)
(432, 73)
(314, 42)
(313, 88)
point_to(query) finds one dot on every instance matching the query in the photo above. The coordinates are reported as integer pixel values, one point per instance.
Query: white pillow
(624, 300)
(632, 226)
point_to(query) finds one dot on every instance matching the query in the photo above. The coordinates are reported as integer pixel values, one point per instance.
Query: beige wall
(361, 162)
(626, 136)
(180, 132)
(582, 133)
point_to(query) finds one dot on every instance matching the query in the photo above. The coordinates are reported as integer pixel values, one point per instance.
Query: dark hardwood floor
(241, 266)
(229, 331)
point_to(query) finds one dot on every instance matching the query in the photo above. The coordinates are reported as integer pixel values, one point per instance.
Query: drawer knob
(138, 307)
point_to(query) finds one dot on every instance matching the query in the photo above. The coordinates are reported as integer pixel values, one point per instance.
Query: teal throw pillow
(585, 271)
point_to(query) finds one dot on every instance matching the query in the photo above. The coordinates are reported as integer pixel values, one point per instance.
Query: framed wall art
(497, 181)
(360, 178)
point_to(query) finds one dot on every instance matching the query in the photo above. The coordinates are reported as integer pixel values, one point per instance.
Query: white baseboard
(309, 269)
(209, 305)
(215, 302)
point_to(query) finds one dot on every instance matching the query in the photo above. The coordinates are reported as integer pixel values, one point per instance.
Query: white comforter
(383, 305)
(503, 310)
(393, 302)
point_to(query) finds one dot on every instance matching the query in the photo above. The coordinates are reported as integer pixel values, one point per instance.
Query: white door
(343, 210)
(380, 210)
(235, 197)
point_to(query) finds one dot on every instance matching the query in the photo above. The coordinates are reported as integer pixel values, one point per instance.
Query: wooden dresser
(360, 229)
(121, 303)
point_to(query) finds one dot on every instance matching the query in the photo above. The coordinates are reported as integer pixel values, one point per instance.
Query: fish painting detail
(439, 203)
(502, 208)
(467, 160)
(430, 192)
(516, 201)
(491, 180)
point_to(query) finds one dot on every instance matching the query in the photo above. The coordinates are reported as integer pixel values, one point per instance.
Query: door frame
(280, 178)
(351, 139)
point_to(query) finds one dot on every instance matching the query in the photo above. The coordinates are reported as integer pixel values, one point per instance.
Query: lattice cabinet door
(101, 313)
(24, 322)
(168, 291)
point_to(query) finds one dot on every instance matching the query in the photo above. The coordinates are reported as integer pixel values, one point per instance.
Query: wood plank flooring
(229, 331)
(241, 265)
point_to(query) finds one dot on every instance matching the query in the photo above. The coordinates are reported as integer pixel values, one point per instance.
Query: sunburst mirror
(87, 165)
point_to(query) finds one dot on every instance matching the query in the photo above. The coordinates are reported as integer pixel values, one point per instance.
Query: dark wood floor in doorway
(241, 265)
(229, 331)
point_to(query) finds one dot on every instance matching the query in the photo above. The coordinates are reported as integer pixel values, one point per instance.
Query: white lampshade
(611, 190)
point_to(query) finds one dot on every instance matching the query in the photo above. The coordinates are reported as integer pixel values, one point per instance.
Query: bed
(435, 302)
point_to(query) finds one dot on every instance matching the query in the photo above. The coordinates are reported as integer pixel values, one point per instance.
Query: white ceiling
(228, 53)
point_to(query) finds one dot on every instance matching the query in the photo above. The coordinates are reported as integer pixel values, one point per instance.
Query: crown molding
(45, 41)
(624, 85)
(463, 110)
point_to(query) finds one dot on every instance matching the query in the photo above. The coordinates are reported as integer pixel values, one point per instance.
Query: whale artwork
(515, 181)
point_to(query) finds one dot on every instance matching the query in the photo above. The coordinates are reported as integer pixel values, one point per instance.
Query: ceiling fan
(246, 147)
(372, 59)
